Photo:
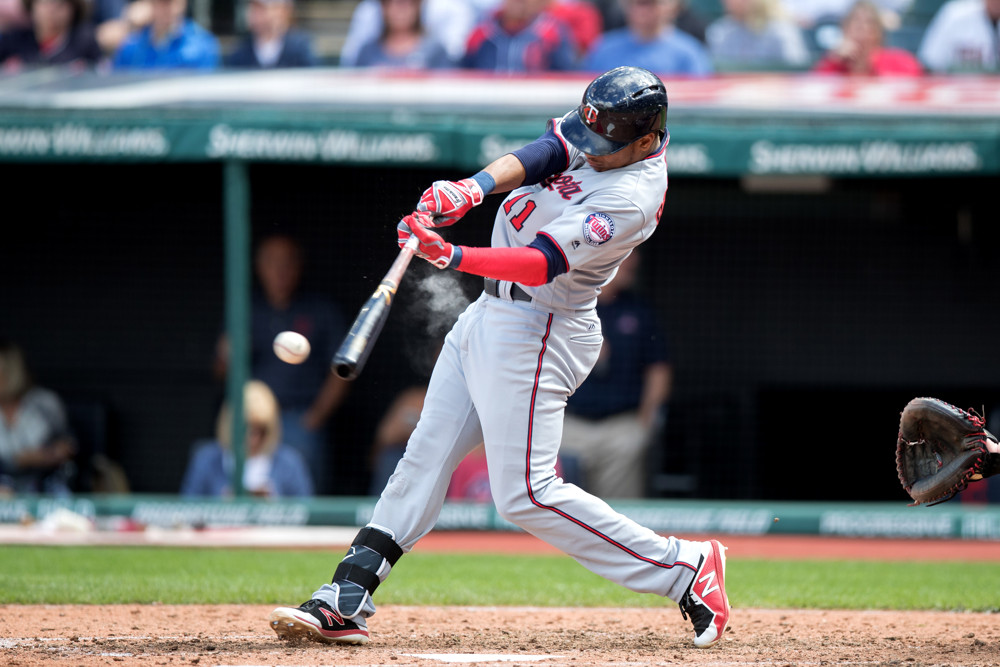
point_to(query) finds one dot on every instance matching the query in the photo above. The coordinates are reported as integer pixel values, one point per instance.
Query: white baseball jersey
(595, 218)
(505, 372)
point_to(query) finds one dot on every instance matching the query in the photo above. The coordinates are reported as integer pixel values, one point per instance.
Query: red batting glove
(432, 247)
(447, 201)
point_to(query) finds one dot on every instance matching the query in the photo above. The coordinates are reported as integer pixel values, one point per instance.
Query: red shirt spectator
(861, 52)
(582, 19)
(883, 62)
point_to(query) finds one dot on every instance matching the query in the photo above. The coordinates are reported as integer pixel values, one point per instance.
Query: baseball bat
(353, 353)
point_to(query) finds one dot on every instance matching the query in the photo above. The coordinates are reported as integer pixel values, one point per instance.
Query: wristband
(486, 182)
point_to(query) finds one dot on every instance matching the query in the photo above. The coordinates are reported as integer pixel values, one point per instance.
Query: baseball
(291, 347)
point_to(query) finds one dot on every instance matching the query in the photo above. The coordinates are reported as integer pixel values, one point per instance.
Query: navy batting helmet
(618, 107)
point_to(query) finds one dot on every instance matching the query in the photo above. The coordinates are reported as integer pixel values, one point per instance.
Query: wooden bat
(358, 344)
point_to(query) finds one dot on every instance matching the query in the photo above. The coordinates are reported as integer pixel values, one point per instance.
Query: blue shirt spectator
(448, 22)
(404, 43)
(271, 42)
(753, 35)
(295, 50)
(270, 469)
(520, 37)
(169, 41)
(210, 474)
(652, 41)
(427, 55)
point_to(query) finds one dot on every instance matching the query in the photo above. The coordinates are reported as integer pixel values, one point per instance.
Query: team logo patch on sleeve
(598, 228)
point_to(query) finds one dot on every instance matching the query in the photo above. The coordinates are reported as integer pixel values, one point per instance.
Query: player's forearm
(507, 172)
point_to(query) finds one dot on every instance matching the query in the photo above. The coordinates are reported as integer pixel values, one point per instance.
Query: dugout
(826, 252)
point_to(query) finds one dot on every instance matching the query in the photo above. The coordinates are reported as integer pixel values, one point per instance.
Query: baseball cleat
(318, 622)
(705, 602)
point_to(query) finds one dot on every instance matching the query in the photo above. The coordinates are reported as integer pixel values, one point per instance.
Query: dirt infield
(239, 635)
(426, 636)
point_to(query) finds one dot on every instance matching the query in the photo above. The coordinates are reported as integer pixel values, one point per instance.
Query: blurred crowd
(671, 37)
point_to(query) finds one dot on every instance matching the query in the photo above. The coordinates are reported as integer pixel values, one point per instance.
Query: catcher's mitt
(940, 450)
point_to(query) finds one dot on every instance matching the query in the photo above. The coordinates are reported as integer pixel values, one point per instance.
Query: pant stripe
(527, 472)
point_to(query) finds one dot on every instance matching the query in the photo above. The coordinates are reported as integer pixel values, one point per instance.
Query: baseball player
(582, 196)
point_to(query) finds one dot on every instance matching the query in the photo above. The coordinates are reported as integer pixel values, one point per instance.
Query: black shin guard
(365, 560)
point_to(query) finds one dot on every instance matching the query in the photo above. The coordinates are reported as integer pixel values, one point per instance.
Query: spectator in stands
(12, 15)
(36, 446)
(403, 43)
(752, 34)
(115, 29)
(614, 416)
(689, 19)
(271, 42)
(652, 41)
(103, 11)
(582, 19)
(448, 22)
(964, 36)
(170, 41)
(861, 51)
(520, 36)
(309, 393)
(58, 34)
(471, 479)
(391, 434)
(270, 469)
(811, 14)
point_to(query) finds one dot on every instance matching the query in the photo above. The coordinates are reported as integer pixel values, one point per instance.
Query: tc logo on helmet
(590, 114)
(598, 228)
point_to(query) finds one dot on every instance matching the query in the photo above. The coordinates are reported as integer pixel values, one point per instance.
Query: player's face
(634, 152)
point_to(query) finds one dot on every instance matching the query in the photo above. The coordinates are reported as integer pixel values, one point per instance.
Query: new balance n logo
(708, 588)
(332, 616)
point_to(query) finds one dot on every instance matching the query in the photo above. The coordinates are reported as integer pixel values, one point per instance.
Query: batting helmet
(618, 107)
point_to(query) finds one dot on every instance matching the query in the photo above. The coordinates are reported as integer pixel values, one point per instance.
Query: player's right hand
(432, 247)
(447, 201)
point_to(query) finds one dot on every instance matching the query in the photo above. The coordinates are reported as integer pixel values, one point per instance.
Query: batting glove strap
(448, 201)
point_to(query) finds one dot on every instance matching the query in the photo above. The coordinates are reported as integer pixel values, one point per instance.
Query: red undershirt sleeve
(527, 265)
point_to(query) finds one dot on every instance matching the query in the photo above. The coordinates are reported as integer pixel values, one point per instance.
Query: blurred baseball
(291, 347)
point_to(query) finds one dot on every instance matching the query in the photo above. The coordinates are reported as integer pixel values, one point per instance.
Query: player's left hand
(432, 247)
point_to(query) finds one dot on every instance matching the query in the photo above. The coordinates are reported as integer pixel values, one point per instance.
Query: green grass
(103, 575)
